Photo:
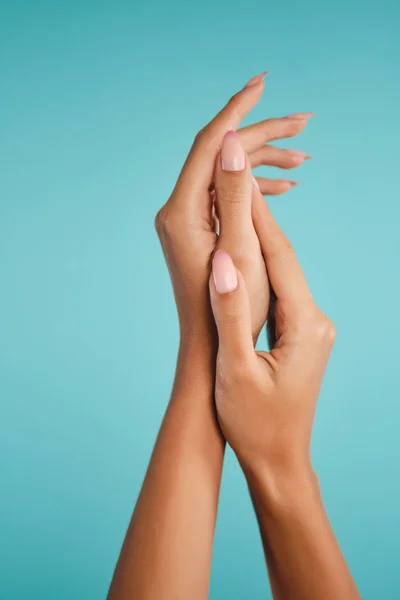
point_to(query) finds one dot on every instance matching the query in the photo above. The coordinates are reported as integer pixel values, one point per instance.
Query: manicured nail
(224, 273)
(299, 154)
(256, 80)
(255, 182)
(232, 153)
(301, 115)
(288, 184)
(298, 157)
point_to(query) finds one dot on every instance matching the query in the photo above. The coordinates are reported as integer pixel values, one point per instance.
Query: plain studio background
(99, 105)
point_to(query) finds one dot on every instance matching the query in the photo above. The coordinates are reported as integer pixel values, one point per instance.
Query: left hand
(185, 223)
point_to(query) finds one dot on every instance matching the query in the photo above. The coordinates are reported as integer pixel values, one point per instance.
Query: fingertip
(233, 157)
(256, 80)
(224, 273)
(298, 157)
(286, 185)
(301, 115)
(241, 103)
(275, 187)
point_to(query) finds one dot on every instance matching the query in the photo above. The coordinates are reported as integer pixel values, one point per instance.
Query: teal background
(99, 103)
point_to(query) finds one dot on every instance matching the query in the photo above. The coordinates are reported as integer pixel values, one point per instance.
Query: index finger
(284, 271)
(198, 170)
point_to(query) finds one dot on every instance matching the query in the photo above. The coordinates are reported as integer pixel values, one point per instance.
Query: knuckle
(323, 328)
(157, 221)
(201, 134)
(311, 325)
(233, 315)
(232, 99)
(232, 312)
(165, 222)
(234, 193)
(232, 102)
(330, 332)
(293, 128)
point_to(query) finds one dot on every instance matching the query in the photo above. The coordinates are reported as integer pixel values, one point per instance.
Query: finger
(255, 136)
(278, 157)
(233, 190)
(197, 173)
(284, 271)
(274, 187)
(231, 309)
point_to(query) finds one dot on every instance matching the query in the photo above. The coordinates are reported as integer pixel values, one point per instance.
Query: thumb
(233, 190)
(231, 308)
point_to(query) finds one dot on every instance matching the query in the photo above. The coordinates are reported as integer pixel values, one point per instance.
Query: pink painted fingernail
(298, 157)
(289, 183)
(299, 154)
(256, 80)
(232, 153)
(224, 273)
(301, 115)
(255, 182)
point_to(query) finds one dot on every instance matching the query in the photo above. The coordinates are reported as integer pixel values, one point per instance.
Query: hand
(266, 400)
(185, 223)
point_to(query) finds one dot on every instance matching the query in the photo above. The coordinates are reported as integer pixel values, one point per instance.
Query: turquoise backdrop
(99, 103)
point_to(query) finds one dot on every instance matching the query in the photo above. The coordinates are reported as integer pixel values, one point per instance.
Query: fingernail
(255, 182)
(224, 273)
(299, 154)
(298, 157)
(288, 183)
(301, 115)
(232, 153)
(255, 80)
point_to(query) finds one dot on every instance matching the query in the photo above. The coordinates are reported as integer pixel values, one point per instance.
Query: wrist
(198, 346)
(290, 488)
(194, 386)
(196, 324)
(195, 368)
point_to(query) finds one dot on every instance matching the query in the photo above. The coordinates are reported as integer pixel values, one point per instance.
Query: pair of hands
(226, 286)
(265, 400)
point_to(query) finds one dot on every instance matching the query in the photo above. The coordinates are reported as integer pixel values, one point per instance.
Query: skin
(168, 545)
(265, 405)
(172, 538)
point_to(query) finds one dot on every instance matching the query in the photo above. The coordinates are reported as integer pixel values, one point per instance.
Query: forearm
(303, 557)
(168, 546)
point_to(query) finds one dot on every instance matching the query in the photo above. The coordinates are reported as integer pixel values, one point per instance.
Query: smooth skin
(265, 405)
(168, 546)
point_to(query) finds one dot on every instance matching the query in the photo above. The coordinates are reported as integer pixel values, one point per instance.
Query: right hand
(266, 400)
